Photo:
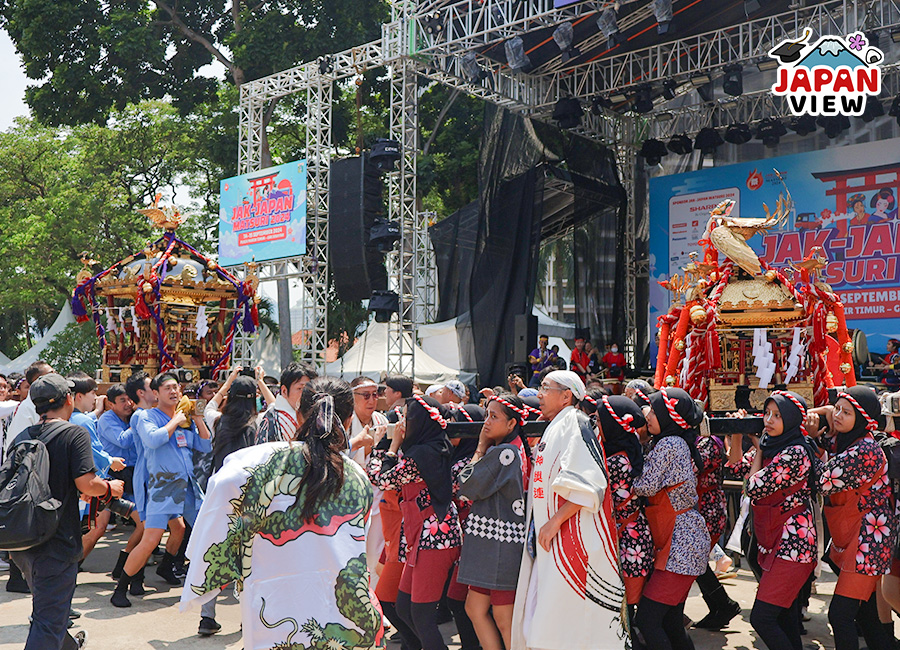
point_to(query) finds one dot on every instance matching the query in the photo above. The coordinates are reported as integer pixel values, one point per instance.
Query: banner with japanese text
(845, 202)
(262, 215)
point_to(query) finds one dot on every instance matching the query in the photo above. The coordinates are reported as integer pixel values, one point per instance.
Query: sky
(13, 81)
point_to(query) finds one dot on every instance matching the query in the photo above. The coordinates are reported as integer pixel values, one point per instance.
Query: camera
(121, 507)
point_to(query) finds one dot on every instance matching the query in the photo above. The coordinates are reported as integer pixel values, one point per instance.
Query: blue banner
(845, 202)
(262, 215)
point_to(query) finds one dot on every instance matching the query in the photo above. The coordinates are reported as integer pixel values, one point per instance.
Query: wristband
(390, 454)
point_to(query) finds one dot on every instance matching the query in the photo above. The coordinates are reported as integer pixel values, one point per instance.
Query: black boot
(137, 584)
(721, 608)
(120, 595)
(120, 565)
(166, 570)
(16, 583)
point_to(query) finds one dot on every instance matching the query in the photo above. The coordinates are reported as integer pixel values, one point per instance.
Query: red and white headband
(465, 414)
(521, 412)
(590, 400)
(433, 412)
(623, 421)
(642, 395)
(871, 424)
(670, 407)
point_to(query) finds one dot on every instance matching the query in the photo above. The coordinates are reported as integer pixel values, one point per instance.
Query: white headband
(569, 380)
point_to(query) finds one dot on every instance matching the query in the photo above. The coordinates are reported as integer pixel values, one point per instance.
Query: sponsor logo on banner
(834, 76)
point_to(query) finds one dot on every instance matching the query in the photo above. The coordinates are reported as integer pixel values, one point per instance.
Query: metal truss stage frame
(410, 51)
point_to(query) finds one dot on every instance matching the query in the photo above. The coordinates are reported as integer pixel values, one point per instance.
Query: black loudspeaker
(354, 203)
(526, 336)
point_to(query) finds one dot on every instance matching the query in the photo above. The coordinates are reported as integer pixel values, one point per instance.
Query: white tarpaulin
(368, 358)
(32, 354)
(552, 327)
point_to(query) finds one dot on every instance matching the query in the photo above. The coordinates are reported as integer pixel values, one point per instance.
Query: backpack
(29, 515)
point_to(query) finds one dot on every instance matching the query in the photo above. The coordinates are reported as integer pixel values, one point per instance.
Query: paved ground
(153, 621)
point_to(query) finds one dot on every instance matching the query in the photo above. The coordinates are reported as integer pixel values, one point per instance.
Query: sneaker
(208, 626)
(81, 639)
(74, 614)
(110, 526)
(806, 616)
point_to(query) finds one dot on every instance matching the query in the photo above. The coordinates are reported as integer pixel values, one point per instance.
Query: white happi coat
(302, 583)
(572, 598)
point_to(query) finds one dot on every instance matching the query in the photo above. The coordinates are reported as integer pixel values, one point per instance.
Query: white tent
(32, 354)
(368, 357)
(441, 341)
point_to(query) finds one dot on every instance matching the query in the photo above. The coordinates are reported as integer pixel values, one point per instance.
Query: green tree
(74, 348)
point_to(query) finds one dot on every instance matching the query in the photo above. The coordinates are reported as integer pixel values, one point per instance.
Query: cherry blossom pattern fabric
(635, 541)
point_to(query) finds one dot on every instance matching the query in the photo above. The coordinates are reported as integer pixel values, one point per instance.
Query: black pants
(662, 626)
(52, 584)
(844, 613)
(778, 627)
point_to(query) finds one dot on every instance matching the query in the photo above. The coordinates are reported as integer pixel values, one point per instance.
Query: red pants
(780, 585)
(668, 588)
(425, 581)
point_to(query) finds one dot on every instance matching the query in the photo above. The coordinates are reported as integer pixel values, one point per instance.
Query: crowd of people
(344, 509)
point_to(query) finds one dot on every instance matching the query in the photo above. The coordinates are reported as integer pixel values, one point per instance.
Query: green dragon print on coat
(351, 591)
(230, 560)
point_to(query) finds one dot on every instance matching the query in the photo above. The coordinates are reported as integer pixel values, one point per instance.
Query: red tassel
(140, 306)
(254, 314)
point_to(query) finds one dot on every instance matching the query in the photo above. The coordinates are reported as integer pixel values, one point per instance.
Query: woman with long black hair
(492, 550)
(860, 515)
(781, 473)
(285, 522)
(680, 538)
(236, 428)
(418, 465)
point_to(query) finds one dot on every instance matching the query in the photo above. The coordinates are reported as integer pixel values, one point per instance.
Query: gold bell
(771, 275)
(846, 368)
(211, 265)
(847, 347)
(679, 345)
(670, 380)
(147, 287)
(831, 323)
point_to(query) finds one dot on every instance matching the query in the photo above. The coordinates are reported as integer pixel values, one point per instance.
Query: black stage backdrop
(487, 251)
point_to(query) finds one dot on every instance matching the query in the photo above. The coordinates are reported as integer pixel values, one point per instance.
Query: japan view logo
(833, 77)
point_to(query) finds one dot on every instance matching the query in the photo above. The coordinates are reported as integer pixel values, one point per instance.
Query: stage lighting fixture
(515, 54)
(733, 83)
(567, 113)
(664, 117)
(834, 126)
(680, 144)
(662, 10)
(751, 7)
(895, 35)
(700, 79)
(384, 154)
(803, 125)
(643, 100)
(706, 92)
(738, 133)
(472, 71)
(564, 35)
(326, 65)
(384, 304)
(599, 103)
(874, 108)
(608, 26)
(618, 97)
(708, 140)
(669, 89)
(383, 235)
(770, 131)
(767, 64)
(653, 151)
(433, 23)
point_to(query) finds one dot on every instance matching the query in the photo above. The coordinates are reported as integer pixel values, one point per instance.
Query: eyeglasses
(546, 387)
(367, 396)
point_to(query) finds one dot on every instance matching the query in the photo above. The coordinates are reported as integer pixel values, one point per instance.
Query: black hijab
(618, 438)
(794, 434)
(687, 410)
(467, 446)
(868, 415)
(427, 444)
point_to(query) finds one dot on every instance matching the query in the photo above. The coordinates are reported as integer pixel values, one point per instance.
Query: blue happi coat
(170, 468)
(101, 459)
(117, 437)
(139, 480)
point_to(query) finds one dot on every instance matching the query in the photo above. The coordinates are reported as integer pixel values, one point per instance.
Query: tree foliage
(75, 348)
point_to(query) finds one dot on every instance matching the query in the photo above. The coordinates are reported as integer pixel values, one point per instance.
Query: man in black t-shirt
(51, 569)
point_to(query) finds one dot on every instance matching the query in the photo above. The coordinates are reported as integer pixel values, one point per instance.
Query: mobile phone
(391, 427)
(249, 372)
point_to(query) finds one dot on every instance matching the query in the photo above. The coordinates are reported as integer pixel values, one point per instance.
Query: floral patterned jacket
(710, 493)
(403, 476)
(635, 540)
(789, 467)
(860, 463)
